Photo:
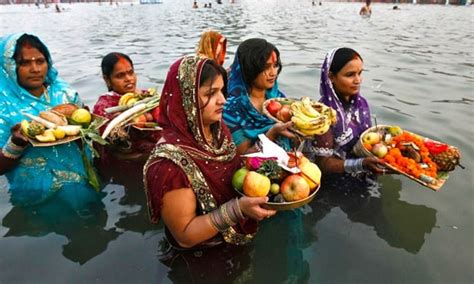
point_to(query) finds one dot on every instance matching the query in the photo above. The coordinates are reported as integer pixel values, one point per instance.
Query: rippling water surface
(418, 74)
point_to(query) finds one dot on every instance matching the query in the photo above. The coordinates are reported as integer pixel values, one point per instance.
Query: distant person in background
(212, 45)
(205, 5)
(396, 7)
(209, 5)
(58, 10)
(366, 10)
(195, 5)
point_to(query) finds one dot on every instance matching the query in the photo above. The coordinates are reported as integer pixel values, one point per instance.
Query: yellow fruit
(59, 133)
(132, 101)
(70, 130)
(81, 116)
(24, 127)
(47, 136)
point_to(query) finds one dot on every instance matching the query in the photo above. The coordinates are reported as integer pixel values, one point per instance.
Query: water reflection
(399, 223)
(87, 236)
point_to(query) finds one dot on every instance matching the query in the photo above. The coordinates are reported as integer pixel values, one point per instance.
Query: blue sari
(41, 172)
(243, 120)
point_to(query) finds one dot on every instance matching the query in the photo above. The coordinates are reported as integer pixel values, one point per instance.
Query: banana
(308, 109)
(308, 124)
(124, 99)
(317, 131)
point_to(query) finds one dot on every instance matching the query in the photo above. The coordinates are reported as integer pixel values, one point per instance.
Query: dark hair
(34, 42)
(109, 61)
(253, 55)
(210, 71)
(341, 57)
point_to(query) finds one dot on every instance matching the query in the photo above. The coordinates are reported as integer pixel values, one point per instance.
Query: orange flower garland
(407, 165)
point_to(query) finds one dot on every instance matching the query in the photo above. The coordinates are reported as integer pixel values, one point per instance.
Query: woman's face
(266, 79)
(32, 68)
(347, 81)
(211, 96)
(123, 79)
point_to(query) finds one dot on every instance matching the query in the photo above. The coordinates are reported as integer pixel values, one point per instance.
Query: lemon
(59, 133)
(81, 116)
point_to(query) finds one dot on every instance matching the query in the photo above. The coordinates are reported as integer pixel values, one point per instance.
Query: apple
(273, 107)
(156, 113)
(238, 178)
(311, 173)
(256, 185)
(284, 114)
(371, 138)
(294, 187)
(395, 130)
(379, 150)
(274, 188)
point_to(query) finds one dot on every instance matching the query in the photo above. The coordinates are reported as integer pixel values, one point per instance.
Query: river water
(418, 74)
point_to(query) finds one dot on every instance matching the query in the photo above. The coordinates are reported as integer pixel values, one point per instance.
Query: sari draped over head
(353, 117)
(183, 158)
(41, 171)
(212, 45)
(243, 119)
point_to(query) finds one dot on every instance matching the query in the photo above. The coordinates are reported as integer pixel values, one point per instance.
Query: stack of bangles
(12, 150)
(227, 215)
(353, 165)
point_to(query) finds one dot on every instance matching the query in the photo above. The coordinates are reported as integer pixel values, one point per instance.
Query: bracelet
(227, 215)
(11, 150)
(353, 165)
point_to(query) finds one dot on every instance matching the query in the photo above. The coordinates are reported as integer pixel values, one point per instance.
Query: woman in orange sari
(188, 175)
(212, 45)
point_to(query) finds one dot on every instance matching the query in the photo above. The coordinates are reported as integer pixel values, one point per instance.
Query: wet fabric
(243, 120)
(183, 158)
(41, 171)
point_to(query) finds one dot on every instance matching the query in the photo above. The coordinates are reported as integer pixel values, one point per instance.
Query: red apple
(379, 150)
(156, 113)
(284, 114)
(273, 107)
(294, 188)
(256, 185)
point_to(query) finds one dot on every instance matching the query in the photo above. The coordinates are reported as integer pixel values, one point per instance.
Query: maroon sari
(184, 159)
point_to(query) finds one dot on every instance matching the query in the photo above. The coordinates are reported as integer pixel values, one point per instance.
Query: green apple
(395, 130)
(238, 178)
(379, 150)
(274, 188)
(371, 138)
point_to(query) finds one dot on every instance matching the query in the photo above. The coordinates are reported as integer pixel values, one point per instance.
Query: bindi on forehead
(274, 57)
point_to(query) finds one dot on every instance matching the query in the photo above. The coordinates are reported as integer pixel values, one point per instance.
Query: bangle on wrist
(353, 165)
(12, 150)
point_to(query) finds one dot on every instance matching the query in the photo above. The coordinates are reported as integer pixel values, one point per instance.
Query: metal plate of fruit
(309, 117)
(421, 159)
(285, 189)
(65, 125)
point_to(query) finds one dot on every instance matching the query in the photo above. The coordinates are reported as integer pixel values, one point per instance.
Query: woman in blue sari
(252, 81)
(29, 83)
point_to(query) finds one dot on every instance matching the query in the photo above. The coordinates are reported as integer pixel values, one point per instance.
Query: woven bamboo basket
(361, 151)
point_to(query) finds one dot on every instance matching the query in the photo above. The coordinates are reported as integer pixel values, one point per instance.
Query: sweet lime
(238, 178)
(81, 116)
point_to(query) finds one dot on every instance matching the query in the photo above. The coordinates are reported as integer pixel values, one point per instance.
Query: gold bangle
(225, 215)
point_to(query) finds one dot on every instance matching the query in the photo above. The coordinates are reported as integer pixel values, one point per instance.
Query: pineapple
(447, 160)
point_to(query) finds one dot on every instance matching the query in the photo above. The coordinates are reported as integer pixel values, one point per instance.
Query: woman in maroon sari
(127, 153)
(188, 175)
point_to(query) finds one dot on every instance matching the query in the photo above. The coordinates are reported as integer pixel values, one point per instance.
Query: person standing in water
(366, 10)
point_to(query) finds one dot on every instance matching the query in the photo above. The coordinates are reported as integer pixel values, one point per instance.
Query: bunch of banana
(312, 118)
(128, 99)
